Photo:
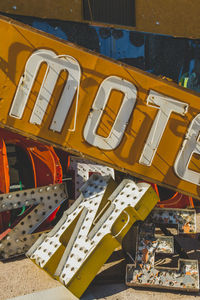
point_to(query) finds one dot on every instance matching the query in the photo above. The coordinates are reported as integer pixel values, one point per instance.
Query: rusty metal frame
(144, 272)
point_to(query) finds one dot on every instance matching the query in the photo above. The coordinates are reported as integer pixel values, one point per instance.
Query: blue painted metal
(112, 43)
(117, 45)
(46, 27)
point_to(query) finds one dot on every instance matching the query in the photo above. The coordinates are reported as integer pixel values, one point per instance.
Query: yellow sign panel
(58, 93)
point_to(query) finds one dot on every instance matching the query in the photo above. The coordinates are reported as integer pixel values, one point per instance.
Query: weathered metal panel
(177, 18)
(121, 12)
(146, 272)
(44, 201)
(131, 129)
(83, 169)
(63, 9)
(75, 250)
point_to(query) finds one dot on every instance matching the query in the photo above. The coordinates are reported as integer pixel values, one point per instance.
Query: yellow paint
(21, 41)
(104, 248)
(90, 268)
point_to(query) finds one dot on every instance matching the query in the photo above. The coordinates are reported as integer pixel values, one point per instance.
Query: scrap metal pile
(91, 151)
(94, 226)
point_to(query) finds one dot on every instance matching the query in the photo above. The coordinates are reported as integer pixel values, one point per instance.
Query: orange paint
(145, 255)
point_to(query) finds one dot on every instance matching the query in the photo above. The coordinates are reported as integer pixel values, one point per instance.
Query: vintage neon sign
(146, 136)
(164, 104)
(25, 232)
(145, 272)
(91, 229)
(55, 66)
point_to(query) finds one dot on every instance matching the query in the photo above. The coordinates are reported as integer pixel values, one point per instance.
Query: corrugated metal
(121, 12)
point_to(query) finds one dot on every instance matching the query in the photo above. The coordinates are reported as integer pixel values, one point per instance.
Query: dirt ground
(21, 277)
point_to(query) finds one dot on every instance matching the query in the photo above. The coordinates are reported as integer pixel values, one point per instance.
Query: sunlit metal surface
(91, 229)
(146, 271)
(44, 201)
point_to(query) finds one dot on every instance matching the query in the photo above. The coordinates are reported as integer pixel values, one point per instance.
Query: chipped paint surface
(146, 272)
(91, 229)
(83, 169)
(85, 127)
(29, 197)
(185, 219)
(21, 237)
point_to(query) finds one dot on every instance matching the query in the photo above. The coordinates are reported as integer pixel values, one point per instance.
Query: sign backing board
(55, 92)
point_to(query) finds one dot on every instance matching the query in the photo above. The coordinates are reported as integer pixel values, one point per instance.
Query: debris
(145, 272)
